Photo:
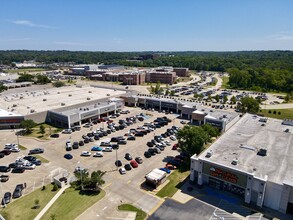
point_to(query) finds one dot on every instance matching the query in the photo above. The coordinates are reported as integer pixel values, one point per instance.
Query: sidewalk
(45, 209)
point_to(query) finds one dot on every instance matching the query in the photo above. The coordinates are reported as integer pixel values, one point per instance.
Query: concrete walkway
(45, 209)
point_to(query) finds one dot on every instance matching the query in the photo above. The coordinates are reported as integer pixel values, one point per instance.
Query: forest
(257, 70)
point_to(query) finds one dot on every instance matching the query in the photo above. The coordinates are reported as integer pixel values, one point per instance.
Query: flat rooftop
(51, 98)
(4, 113)
(245, 138)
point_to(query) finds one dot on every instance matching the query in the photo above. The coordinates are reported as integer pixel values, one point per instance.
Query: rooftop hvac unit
(234, 161)
(262, 152)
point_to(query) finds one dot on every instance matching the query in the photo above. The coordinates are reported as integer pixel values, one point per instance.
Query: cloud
(16, 39)
(31, 24)
(117, 40)
(68, 43)
(281, 36)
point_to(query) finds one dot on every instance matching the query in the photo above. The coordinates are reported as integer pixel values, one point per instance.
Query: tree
(211, 131)
(84, 181)
(2, 87)
(58, 84)
(217, 98)
(37, 204)
(233, 100)
(172, 93)
(27, 125)
(42, 129)
(191, 139)
(225, 99)
(249, 104)
(41, 79)
(167, 92)
(25, 78)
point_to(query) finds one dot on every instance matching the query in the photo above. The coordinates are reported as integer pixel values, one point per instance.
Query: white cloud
(31, 24)
(281, 36)
(68, 43)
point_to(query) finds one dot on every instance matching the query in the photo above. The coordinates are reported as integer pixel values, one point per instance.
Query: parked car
(18, 191)
(36, 151)
(104, 143)
(54, 135)
(147, 154)
(133, 163)
(81, 143)
(115, 146)
(118, 163)
(75, 145)
(122, 171)
(85, 154)
(67, 131)
(165, 170)
(107, 149)
(13, 165)
(139, 160)
(127, 167)
(122, 142)
(4, 178)
(131, 138)
(5, 169)
(150, 144)
(6, 198)
(18, 170)
(86, 140)
(5, 152)
(170, 166)
(128, 156)
(173, 138)
(96, 148)
(68, 156)
(175, 146)
(98, 154)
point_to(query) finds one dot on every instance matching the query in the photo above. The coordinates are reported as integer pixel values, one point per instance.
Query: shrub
(275, 112)
(279, 113)
(270, 111)
(55, 187)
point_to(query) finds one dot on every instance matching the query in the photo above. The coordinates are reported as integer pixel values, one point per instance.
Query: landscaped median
(25, 207)
(176, 180)
(140, 215)
(72, 203)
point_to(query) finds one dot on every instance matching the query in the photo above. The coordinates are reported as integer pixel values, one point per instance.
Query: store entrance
(221, 185)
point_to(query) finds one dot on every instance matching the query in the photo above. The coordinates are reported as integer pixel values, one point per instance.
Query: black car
(139, 134)
(18, 170)
(131, 138)
(80, 143)
(164, 135)
(152, 151)
(75, 145)
(4, 178)
(68, 148)
(123, 142)
(6, 151)
(118, 163)
(127, 167)
(2, 155)
(30, 158)
(114, 139)
(87, 140)
(128, 156)
(150, 144)
(18, 191)
(109, 131)
(13, 165)
(4, 169)
(36, 151)
(105, 133)
(115, 146)
(7, 198)
(147, 154)
(68, 156)
(84, 136)
(54, 135)
(90, 134)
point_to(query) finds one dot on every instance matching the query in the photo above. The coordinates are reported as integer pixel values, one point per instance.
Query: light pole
(116, 158)
(17, 139)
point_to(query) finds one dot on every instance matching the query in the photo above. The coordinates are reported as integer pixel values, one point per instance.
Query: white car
(173, 138)
(113, 116)
(122, 171)
(67, 131)
(107, 149)
(68, 144)
(85, 153)
(168, 143)
(9, 146)
(98, 154)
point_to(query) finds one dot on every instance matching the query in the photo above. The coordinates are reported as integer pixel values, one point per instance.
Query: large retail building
(253, 159)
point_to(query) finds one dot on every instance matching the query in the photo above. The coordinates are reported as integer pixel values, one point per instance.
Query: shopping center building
(253, 159)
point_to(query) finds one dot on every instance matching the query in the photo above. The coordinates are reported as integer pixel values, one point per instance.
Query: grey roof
(245, 138)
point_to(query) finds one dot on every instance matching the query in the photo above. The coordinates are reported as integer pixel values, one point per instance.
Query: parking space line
(109, 184)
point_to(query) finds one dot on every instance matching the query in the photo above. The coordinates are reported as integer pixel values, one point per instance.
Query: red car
(133, 163)
(175, 146)
(170, 166)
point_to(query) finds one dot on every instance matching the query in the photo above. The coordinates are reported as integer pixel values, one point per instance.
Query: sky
(149, 25)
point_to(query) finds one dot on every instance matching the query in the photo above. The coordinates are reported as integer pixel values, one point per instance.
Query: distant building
(10, 120)
(162, 77)
(181, 72)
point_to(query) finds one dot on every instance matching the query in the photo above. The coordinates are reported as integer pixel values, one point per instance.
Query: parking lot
(55, 150)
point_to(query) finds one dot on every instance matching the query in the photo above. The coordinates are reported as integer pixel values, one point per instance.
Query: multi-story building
(181, 72)
(162, 77)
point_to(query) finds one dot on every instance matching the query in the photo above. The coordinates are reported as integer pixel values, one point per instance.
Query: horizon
(129, 26)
